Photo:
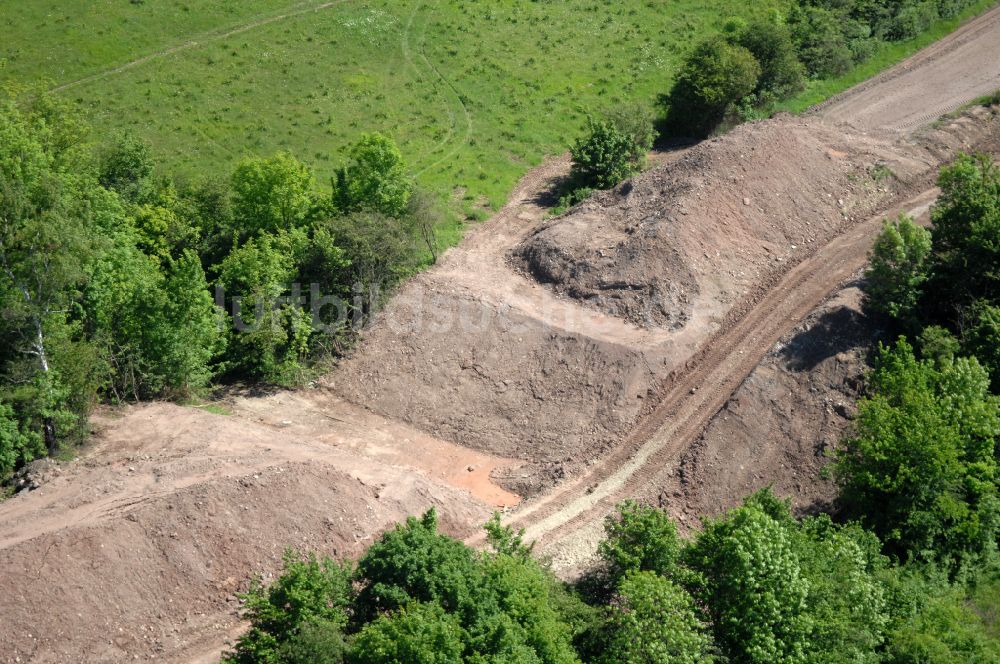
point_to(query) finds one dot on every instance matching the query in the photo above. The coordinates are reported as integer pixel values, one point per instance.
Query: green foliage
(413, 562)
(715, 76)
(603, 157)
(982, 339)
(272, 335)
(847, 602)
(315, 642)
(503, 540)
(419, 633)
(754, 587)
(307, 605)
(899, 267)
(781, 73)
(934, 622)
(639, 538)
(966, 232)
(921, 468)
(654, 620)
(125, 167)
(16, 447)
(613, 149)
(939, 345)
(271, 195)
(374, 179)
(821, 40)
(379, 249)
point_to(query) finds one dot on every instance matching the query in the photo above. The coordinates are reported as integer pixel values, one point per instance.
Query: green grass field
(475, 91)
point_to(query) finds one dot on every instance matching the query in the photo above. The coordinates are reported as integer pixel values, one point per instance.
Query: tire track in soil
(695, 393)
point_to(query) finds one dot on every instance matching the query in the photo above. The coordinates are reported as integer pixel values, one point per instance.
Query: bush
(640, 539)
(271, 194)
(713, 78)
(16, 447)
(753, 587)
(602, 158)
(781, 75)
(921, 467)
(899, 267)
(822, 45)
(305, 606)
(418, 632)
(653, 620)
(374, 179)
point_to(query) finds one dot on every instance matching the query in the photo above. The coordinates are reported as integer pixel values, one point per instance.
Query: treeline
(742, 73)
(117, 283)
(907, 570)
(942, 286)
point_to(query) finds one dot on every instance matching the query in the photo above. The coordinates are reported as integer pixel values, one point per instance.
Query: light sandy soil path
(696, 395)
(567, 521)
(937, 80)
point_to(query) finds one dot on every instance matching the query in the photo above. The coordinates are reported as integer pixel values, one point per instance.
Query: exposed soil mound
(698, 233)
(780, 426)
(136, 550)
(629, 269)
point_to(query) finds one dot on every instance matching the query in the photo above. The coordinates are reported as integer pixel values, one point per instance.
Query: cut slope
(137, 549)
(689, 239)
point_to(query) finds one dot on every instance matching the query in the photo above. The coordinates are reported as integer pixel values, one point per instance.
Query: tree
(45, 245)
(125, 167)
(653, 620)
(640, 538)
(420, 633)
(982, 338)
(311, 595)
(819, 34)
(191, 333)
(921, 467)
(847, 603)
(781, 73)
(413, 562)
(966, 232)
(713, 78)
(377, 248)
(753, 586)
(374, 178)
(272, 333)
(899, 268)
(271, 194)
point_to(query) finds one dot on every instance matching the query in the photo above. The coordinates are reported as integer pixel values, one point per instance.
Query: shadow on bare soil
(836, 331)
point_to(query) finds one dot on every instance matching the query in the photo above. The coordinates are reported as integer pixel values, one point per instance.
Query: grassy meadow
(475, 91)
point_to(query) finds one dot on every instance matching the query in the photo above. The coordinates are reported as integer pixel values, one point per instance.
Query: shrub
(16, 447)
(602, 158)
(653, 620)
(781, 75)
(899, 267)
(374, 179)
(921, 467)
(713, 78)
(305, 606)
(271, 194)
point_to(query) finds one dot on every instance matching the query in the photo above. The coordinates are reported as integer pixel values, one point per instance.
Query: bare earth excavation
(653, 342)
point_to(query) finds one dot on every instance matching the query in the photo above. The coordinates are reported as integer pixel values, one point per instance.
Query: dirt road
(916, 92)
(937, 80)
(699, 392)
